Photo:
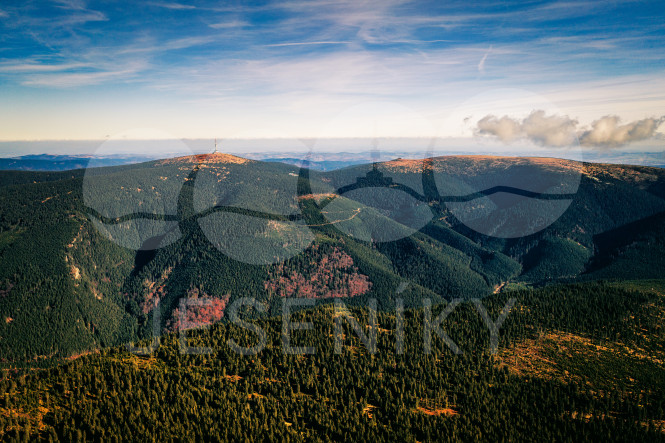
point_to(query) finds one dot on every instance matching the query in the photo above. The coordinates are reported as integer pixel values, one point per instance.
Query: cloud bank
(607, 131)
(560, 131)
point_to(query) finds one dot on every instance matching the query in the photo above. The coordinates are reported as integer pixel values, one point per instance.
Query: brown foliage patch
(330, 275)
(437, 412)
(205, 310)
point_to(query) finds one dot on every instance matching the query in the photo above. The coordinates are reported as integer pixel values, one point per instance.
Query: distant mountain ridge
(319, 162)
(48, 162)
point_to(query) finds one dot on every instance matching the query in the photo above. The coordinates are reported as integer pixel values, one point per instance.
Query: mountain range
(104, 271)
(88, 253)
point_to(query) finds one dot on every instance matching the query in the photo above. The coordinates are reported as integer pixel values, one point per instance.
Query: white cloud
(230, 24)
(481, 64)
(560, 131)
(544, 130)
(81, 18)
(80, 14)
(551, 130)
(186, 42)
(608, 132)
(172, 5)
(307, 43)
(505, 128)
(75, 79)
(30, 66)
(71, 4)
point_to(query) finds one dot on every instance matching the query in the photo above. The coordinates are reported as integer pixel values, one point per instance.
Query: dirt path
(500, 287)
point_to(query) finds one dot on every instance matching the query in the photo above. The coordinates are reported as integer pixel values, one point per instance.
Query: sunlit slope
(573, 362)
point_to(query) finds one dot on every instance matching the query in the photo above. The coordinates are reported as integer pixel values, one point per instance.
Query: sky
(554, 74)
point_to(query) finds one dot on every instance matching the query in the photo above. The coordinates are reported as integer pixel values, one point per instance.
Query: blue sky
(77, 69)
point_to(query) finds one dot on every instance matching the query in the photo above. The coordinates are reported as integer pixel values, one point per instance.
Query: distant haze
(323, 153)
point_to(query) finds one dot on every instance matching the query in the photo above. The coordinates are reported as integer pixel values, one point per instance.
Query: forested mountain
(88, 253)
(94, 259)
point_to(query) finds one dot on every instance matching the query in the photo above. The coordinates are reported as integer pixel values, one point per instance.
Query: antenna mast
(215, 146)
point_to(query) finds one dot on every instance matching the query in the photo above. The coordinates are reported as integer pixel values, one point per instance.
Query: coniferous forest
(151, 313)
